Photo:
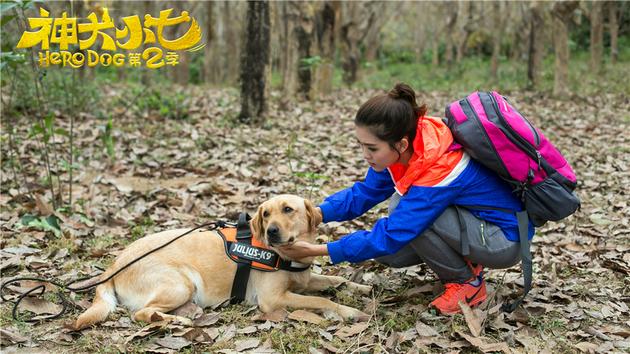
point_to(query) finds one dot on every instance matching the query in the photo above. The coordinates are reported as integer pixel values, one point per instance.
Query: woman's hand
(303, 249)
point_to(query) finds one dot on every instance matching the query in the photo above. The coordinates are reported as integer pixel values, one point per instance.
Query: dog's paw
(352, 314)
(359, 288)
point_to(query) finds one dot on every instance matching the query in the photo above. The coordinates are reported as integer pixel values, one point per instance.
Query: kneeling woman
(411, 161)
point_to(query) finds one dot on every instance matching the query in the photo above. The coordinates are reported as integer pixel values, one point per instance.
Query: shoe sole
(473, 303)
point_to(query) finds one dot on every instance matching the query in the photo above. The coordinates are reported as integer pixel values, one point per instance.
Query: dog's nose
(273, 231)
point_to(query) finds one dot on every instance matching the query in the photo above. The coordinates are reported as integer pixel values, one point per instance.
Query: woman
(411, 160)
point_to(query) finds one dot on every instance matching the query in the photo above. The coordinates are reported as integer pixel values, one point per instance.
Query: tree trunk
(562, 12)
(614, 31)
(372, 37)
(467, 30)
(450, 30)
(326, 30)
(146, 73)
(182, 70)
(597, 36)
(358, 18)
(350, 37)
(435, 50)
(303, 35)
(536, 48)
(255, 64)
(520, 27)
(496, 39)
(290, 16)
(79, 12)
(231, 42)
(207, 70)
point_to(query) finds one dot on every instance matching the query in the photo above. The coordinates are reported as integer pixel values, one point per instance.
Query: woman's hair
(392, 116)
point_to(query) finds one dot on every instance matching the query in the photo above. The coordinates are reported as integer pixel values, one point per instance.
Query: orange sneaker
(468, 293)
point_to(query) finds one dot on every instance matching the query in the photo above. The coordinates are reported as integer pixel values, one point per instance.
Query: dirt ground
(178, 173)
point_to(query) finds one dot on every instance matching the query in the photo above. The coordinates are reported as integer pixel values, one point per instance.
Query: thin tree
(562, 12)
(597, 35)
(326, 34)
(536, 48)
(255, 63)
(614, 30)
(496, 39)
(451, 21)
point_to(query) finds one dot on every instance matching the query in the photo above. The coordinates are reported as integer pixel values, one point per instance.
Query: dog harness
(249, 253)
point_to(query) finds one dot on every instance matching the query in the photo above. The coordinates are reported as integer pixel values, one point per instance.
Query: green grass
(473, 74)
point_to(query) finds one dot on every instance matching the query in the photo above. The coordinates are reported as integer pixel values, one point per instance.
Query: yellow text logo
(65, 31)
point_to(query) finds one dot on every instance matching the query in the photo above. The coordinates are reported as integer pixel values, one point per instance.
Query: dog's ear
(257, 224)
(313, 214)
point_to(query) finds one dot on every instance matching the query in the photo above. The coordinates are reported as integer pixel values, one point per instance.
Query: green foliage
(310, 62)
(166, 103)
(108, 139)
(49, 223)
(389, 57)
(473, 73)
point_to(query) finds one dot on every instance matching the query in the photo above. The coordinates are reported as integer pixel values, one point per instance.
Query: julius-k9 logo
(250, 252)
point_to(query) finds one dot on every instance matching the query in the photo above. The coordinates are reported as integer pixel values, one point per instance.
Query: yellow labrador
(197, 268)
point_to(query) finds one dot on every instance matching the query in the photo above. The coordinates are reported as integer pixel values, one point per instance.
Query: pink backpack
(495, 134)
(499, 137)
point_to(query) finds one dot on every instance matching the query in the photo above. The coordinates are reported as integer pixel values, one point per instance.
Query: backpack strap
(241, 278)
(526, 260)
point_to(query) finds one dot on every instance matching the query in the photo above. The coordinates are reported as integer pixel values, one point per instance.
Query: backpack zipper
(506, 173)
(518, 140)
(529, 124)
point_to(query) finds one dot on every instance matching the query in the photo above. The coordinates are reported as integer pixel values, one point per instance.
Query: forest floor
(170, 173)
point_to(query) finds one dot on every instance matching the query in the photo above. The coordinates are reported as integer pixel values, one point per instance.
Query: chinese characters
(66, 31)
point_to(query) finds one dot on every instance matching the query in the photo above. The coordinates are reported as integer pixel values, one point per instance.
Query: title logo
(139, 39)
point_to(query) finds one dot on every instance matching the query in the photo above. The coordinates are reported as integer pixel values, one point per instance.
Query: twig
(21, 26)
(12, 148)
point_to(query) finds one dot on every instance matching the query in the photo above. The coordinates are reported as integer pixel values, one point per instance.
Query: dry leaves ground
(170, 173)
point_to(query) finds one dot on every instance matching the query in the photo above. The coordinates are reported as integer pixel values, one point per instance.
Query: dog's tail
(104, 303)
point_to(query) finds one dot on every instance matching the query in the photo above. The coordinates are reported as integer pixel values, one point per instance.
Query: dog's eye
(265, 214)
(287, 209)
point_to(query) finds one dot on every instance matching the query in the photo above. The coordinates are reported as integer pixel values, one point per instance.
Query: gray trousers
(440, 246)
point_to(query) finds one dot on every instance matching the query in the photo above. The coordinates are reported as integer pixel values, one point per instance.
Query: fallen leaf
(207, 319)
(482, 344)
(44, 208)
(175, 343)
(472, 320)
(587, 347)
(40, 306)
(189, 309)
(349, 331)
(246, 344)
(21, 250)
(11, 335)
(424, 330)
(147, 330)
(227, 333)
(196, 334)
(247, 330)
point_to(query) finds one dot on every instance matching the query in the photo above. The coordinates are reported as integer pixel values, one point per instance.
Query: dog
(196, 268)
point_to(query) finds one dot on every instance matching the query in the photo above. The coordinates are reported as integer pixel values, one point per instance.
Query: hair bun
(405, 92)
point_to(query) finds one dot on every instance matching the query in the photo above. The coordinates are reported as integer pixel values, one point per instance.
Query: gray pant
(439, 246)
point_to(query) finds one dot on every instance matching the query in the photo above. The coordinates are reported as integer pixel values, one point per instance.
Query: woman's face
(377, 152)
